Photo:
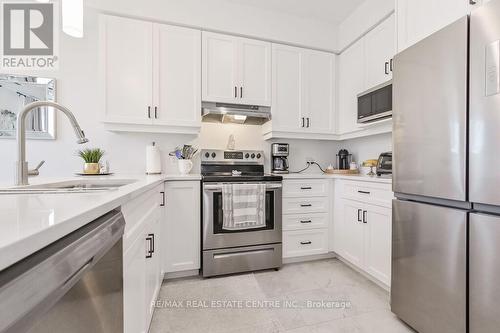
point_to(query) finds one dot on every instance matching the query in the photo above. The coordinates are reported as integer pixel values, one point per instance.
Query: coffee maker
(343, 159)
(279, 154)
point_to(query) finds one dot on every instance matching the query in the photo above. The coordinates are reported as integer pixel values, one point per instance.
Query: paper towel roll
(153, 160)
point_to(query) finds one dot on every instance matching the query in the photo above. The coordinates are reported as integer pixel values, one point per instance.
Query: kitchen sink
(70, 186)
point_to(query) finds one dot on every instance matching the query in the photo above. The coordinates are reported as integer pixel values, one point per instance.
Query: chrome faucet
(22, 171)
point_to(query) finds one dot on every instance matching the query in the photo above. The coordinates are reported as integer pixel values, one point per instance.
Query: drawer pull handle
(306, 188)
(307, 221)
(306, 205)
(364, 192)
(306, 243)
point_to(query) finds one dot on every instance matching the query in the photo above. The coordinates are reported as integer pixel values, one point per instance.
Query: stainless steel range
(252, 245)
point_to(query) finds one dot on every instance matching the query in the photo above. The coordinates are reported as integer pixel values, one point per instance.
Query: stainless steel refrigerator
(446, 218)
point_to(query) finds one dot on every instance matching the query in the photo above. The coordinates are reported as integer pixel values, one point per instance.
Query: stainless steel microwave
(375, 104)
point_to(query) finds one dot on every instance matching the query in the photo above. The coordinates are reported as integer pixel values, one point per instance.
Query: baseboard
(366, 275)
(182, 274)
(329, 255)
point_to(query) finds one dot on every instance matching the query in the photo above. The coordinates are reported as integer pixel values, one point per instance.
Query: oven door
(215, 237)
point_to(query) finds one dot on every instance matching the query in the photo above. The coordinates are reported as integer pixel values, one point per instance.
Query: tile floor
(319, 296)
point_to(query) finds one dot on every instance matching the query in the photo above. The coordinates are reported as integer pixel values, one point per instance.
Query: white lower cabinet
(363, 236)
(306, 215)
(181, 228)
(141, 259)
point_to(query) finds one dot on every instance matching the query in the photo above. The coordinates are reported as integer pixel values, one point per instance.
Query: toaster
(384, 164)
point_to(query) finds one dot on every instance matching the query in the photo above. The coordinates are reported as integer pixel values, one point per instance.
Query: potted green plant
(91, 157)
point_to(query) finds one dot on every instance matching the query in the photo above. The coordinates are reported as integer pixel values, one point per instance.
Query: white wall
(225, 16)
(369, 147)
(364, 18)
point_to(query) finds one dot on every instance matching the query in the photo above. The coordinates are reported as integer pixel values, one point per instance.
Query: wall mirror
(17, 91)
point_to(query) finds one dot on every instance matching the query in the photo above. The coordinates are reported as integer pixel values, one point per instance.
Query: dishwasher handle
(57, 268)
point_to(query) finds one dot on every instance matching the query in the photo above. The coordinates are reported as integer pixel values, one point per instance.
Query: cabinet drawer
(305, 205)
(305, 221)
(372, 193)
(305, 188)
(305, 243)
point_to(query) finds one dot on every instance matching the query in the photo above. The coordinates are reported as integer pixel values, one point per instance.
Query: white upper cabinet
(177, 60)
(127, 67)
(319, 97)
(236, 70)
(255, 75)
(351, 83)
(287, 104)
(153, 86)
(379, 51)
(220, 68)
(417, 19)
(303, 93)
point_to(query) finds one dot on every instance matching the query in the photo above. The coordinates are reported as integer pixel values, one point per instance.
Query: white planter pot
(185, 166)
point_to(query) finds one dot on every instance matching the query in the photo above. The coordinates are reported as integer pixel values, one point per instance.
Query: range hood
(235, 113)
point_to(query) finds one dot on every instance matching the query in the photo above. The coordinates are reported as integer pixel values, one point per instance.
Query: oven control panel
(234, 156)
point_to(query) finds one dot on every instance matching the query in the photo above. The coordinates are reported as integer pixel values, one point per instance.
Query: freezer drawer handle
(306, 243)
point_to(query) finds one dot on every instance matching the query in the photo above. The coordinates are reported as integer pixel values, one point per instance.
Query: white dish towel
(244, 206)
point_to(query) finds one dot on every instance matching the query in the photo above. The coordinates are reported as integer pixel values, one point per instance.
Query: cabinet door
(177, 76)
(134, 287)
(352, 248)
(126, 66)
(320, 91)
(182, 226)
(379, 50)
(153, 270)
(219, 68)
(255, 72)
(378, 237)
(351, 83)
(417, 19)
(287, 80)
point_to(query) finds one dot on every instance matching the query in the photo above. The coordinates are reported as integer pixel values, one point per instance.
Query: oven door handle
(218, 187)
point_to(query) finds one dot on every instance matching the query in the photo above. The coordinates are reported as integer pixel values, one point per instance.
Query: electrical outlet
(310, 160)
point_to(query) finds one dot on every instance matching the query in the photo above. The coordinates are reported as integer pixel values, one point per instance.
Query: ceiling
(332, 11)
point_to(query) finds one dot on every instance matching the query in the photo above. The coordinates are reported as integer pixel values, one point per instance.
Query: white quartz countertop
(29, 222)
(362, 178)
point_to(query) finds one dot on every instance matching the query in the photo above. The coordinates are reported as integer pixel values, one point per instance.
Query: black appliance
(375, 104)
(343, 159)
(384, 164)
(279, 157)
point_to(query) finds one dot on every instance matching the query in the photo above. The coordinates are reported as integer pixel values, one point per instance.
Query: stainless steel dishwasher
(73, 285)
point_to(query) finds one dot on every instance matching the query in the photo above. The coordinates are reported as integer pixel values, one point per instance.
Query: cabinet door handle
(364, 192)
(152, 243)
(391, 65)
(149, 253)
(303, 124)
(162, 199)
(241, 92)
(386, 68)
(149, 112)
(359, 215)
(306, 243)
(235, 92)
(156, 112)
(308, 122)
(305, 222)
(306, 205)
(306, 188)
(364, 216)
